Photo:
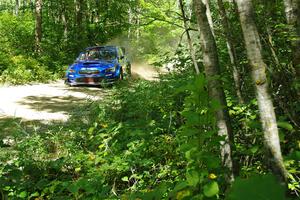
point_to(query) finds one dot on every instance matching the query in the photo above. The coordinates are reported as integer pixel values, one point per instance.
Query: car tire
(67, 83)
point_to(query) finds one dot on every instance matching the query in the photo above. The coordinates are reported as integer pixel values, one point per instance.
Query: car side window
(81, 56)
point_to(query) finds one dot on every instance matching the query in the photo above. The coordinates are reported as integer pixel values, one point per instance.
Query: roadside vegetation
(223, 123)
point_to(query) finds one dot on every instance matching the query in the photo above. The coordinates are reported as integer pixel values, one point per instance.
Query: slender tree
(266, 108)
(79, 21)
(189, 39)
(231, 50)
(211, 67)
(38, 25)
(17, 6)
(64, 20)
(209, 17)
(292, 11)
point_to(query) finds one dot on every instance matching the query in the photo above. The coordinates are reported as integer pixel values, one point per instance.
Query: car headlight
(111, 69)
(71, 71)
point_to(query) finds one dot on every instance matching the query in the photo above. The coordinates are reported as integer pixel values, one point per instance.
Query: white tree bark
(292, 11)
(17, 6)
(186, 27)
(209, 17)
(266, 108)
(38, 25)
(211, 68)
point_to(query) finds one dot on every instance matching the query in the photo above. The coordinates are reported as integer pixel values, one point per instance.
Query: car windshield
(99, 53)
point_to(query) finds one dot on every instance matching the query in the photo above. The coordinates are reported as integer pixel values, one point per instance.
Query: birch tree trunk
(79, 16)
(211, 67)
(186, 27)
(38, 25)
(64, 20)
(292, 11)
(209, 17)
(17, 6)
(231, 51)
(266, 108)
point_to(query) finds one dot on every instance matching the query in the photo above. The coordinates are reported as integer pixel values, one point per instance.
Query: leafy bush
(257, 187)
(146, 140)
(22, 70)
(17, 62)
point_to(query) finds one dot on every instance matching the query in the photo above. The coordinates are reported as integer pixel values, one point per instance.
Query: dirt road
(54, 101)
(44, 102)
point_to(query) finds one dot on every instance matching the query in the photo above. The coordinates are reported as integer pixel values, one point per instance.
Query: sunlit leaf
(211, 189)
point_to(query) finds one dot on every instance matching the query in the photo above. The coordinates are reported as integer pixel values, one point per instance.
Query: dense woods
(222, 123)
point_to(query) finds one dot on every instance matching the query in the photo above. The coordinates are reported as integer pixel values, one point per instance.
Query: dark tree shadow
(89, 91)
(77, 97)
(55, 104)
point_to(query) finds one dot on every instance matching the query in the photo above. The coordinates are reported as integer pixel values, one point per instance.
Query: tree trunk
(186, 27)
(64, 21)
(292, 11)
(130, 17)
(211, 67)
(17, 6)
(266, 108)
(209, 17)
(79, 15)
(38, 25)
(231, 51)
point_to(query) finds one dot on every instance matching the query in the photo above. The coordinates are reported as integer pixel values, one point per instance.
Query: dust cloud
(144, 71)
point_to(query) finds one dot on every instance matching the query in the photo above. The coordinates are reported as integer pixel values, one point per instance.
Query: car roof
(96, 47)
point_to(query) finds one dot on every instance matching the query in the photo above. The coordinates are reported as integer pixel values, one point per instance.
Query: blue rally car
(99, 65)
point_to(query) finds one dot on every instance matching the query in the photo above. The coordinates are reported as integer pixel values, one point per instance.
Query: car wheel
(67, 82)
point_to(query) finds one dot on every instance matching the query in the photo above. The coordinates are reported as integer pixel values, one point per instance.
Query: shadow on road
(89, 91)
(32, 109)
(54, 104)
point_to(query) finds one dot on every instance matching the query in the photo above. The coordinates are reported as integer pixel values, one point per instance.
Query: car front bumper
(90, 80)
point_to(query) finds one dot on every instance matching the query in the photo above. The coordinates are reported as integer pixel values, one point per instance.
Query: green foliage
(27, 70)
(128, 150)
(146, 140)
(17, 62)
(257, 187)
(16, 33)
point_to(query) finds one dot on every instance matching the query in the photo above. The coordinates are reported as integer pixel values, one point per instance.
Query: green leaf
(262, 187)
(125, 179)
(285, 125)
(180, 186)
(254, 149)
(91, 130)
(211, 189)
(73, 188)
(23, 195)
(192, 178)
(36, 194)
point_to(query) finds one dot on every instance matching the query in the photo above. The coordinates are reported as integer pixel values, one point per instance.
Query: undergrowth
(144, 141)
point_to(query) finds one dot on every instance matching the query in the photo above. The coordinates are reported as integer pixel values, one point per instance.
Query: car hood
(94, 64)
